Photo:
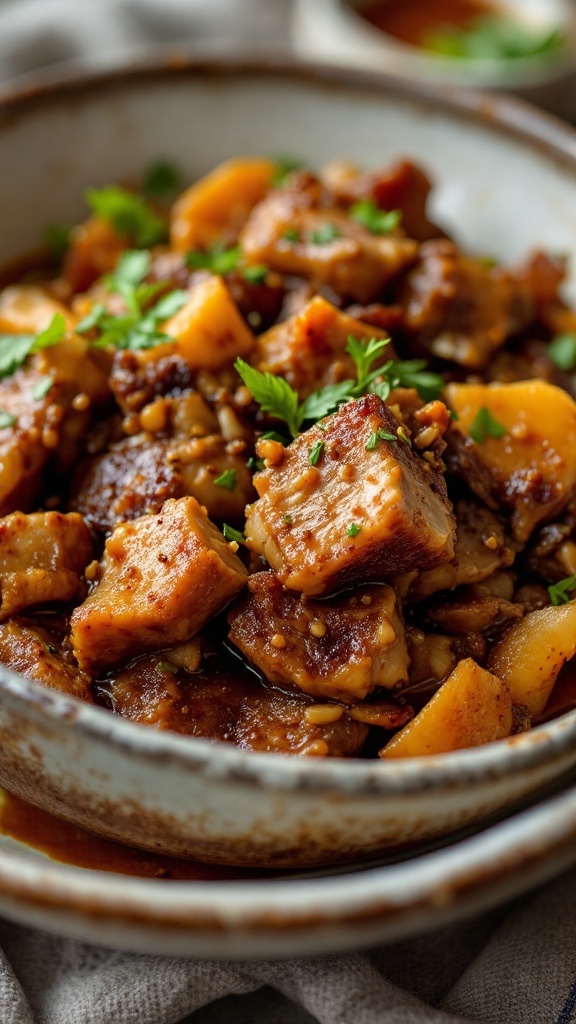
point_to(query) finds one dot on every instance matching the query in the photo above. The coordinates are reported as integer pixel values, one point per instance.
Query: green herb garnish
(218, 259)
(287, 520)
(291, 235)
(562, 351)
(167, 667)
(353, 530)
(255, 274)
(378, 435)
(285, 167)
(42, 387)
(495, 38)
(560, 592)
(128, 214)
(315, 453)
(255, 465)
(379, 222)
(6, 419)
(162, 180)
(232, 535)
(57, 240)
(15, 348)
(227, 480)
(484, 425)
(325, 234)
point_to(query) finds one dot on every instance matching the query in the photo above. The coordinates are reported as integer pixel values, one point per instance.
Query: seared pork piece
(368, 510)
(525, 437)
(404, 187)
(42, 559)
(139, 377)
(161, 579)
(292, 231)
(226, 703)
(482, 548)
(50, 401)
(37, 654)
(475, 614)
(461, 310)
(341, 649)
(309, 349)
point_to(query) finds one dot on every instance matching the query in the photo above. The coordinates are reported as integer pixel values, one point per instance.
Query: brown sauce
(413, 21)
(70, 844)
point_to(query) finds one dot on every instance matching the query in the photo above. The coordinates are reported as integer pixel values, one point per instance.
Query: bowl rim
(500, 113)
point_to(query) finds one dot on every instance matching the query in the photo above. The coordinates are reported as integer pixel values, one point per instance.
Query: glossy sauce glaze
(414, 21)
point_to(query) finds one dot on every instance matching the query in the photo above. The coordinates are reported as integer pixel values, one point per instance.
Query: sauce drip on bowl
(414, 21)
(71, 844)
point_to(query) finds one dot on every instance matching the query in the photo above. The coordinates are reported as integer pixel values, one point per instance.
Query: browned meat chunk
(139, 377)
(37, 654)
(461, 310)
(220, 703)
(481, 549)
(368, 510)
(42, 558)
(475, 615)
(309, 349)
(293, 232)
(341, 649)
(162, 577)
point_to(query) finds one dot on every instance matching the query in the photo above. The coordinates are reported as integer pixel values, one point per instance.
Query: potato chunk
(42, 557)
(309, 349)
(531, 653)
(219, 202)
(341, 649)
(358, 515)
(162, 577)
(471, 707)
(532, 466)
(209, 329)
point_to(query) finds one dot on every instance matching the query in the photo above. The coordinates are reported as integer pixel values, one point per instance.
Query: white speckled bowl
(506, 179)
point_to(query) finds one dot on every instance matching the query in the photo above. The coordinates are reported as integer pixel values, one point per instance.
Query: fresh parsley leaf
(128, 214)
(51, 335)
(379, 222)
(218, 260)
(92, 319)
(227, 480)
(273, 435)
(15, 348)
(412, 373)
(57, 240)
(255, 274)
(315, 453)
(495, 38)
(255, 465)
(378, 435)
(273, 394)
(353, 530)
(6, 419)
(168, 305)
(42, 387)
(484, 425)
(291, 235)
(326, 234)
(233, 535)
(285, 166)
(560, 592)
(321, 403)
(562, 351)
(167, 667)
(162, 180)
(364, 353)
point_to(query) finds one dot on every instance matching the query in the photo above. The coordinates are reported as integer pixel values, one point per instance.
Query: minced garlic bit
(323, 714)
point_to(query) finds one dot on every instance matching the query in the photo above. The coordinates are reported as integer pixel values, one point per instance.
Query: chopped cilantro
(353, 530)
(273, 394)
(560, 592)
(6, 419)
(42, 387)
(379, 222)
(378, 435)
(562, 351)
(315, 453)
(287, 520)
(128, 214)
(255, 465)
(162, 180)
(232, 535)
(227, 480)
(326, 234)
(218, 260)
(484, 425)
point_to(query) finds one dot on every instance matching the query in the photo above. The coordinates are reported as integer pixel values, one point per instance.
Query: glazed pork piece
(364, 512)
(341, 649)
(38, 654)
(162, 578)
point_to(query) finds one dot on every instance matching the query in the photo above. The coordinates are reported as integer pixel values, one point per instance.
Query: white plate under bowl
(506, 182)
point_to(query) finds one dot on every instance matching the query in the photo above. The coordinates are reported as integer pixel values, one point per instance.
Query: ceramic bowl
(506, 182)
(335, 30)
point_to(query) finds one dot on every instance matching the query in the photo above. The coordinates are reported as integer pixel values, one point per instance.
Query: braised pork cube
(524, 436)
(138, 378)
(461, 310)
(309, 349)
(292, 231)
(42, 559)
(367, 509)
(37, 654)
(228, 704)
(482, 548)
(341, 649)
(133, 478)
(161, 579)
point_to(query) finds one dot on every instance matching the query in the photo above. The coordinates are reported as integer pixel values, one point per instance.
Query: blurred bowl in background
(345, 31)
